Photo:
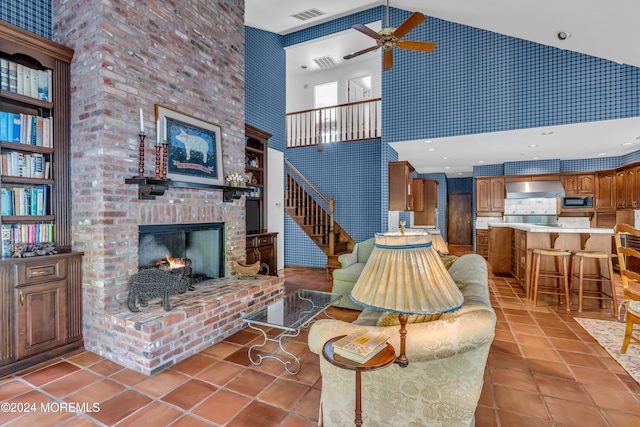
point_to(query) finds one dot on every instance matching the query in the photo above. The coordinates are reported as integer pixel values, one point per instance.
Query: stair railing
(306, 198)
(354, 121)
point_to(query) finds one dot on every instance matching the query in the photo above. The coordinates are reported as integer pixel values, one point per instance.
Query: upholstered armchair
(345, 278)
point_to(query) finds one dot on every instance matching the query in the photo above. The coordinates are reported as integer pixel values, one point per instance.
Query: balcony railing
(355, 121)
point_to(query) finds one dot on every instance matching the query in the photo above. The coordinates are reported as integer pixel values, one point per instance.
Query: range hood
(538, 189)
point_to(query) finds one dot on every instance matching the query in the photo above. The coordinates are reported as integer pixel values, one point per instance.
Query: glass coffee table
(290, 314)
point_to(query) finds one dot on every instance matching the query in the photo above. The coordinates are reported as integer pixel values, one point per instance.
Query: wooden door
(459, 216)
(606, 192)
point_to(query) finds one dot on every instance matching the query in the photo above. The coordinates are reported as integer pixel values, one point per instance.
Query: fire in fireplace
(195, 250)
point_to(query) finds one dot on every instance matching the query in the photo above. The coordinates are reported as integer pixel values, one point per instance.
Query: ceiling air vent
(308, 14)
(325, 62)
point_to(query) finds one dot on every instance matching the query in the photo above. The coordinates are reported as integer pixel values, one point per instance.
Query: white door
(275, 200)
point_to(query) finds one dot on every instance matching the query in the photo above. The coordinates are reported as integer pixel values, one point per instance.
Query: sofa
(345, 278)
(447, 358)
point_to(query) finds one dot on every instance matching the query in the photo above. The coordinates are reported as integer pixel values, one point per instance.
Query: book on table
(360, 345)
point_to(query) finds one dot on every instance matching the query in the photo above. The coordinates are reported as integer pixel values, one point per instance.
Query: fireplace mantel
(149, 188)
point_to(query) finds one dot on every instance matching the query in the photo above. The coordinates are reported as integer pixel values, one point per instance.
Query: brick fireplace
(187, 56)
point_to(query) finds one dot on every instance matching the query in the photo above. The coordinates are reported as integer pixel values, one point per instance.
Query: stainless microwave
(577, 202)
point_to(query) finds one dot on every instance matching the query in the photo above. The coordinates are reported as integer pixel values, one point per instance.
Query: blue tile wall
(349, 172)
(30, 15)
(460, 185)
(265, 84)
(532, 167)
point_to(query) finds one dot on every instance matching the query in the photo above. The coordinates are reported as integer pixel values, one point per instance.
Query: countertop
(546, 229)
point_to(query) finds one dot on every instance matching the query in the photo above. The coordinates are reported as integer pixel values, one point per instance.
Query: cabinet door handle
(21, 298)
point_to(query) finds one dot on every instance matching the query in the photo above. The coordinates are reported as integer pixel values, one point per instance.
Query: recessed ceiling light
(447, 167)
(535, 158)
(480, 161)
(627, 143)
(533, 145)
(304, 67)
(431, 149)
(602, 154)
(428, 141)
(546, 133)
(444, 158)
(459, 173)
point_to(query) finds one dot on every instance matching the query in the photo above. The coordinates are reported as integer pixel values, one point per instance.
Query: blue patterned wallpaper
(460, 185)
(350, 173)
(265, 84)
(31, 15)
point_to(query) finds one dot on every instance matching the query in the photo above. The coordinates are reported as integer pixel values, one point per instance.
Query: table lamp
(405, 275)
(438, 242)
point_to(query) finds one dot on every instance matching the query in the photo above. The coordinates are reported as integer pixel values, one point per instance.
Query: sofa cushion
(349, 274)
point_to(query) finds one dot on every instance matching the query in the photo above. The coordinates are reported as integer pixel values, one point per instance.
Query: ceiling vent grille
(308, 14)
(325, 62)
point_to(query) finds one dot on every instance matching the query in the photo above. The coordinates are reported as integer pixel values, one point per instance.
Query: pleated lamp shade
(438, 242)
(404, 274)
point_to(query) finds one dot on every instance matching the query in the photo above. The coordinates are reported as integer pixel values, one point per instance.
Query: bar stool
(579, 258)
(560, 275)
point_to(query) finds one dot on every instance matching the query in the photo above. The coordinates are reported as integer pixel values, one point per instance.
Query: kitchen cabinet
(620, 189)
(499, 256)
(400, 189)
(490, 196)
(427, 216)
(578, 184)
(482, 243)
(519, 255)
(605, 197)
(417, 193)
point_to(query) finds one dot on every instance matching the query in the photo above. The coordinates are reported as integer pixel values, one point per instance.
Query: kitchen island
(510, 246)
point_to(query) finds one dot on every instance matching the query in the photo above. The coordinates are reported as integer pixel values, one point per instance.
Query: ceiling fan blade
(361, 52)
(411, 45)
(408, 25)
(366, 30)
(388, 59)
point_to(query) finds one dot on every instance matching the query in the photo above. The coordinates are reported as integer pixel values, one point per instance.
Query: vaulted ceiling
(605, 29)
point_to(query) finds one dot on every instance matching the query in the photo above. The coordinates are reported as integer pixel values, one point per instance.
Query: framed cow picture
(194, 147)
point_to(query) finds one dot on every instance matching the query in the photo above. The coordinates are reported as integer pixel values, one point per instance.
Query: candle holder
(165, 158)
(142, 136)
(159, 171)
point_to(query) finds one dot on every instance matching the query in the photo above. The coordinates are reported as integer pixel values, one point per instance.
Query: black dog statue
(155, 283)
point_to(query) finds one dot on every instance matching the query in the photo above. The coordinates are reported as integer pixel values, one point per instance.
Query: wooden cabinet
(490, 196)
(519, 255)
(40, 296)
(499, 258)
(427, 215)
(578, 184)
(263, 247)
(482, 243)
(41, 306)
(400, 188)
(255, 159)
(605, 196)
(417, 194)
(627, 187)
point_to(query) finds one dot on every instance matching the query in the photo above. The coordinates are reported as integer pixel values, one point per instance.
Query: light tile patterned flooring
(543, 370)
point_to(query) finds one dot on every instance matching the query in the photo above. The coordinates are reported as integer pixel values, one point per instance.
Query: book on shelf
(24, 80)
(4, 74)
(7, 246)
(361, 345)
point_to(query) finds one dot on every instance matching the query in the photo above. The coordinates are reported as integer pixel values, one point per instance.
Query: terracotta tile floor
(543, 370)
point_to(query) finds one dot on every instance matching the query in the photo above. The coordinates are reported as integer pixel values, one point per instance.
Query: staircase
(313, 212)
